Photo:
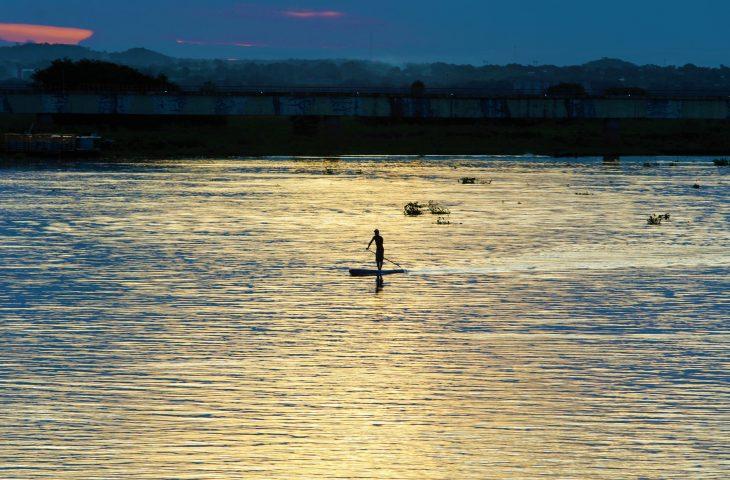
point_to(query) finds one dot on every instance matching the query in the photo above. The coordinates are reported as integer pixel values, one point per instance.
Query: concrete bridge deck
(366, 105)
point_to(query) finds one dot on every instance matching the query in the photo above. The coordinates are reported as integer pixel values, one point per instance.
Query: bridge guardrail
(269, 90)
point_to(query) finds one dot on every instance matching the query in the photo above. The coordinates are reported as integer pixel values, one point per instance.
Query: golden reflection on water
(195, 320)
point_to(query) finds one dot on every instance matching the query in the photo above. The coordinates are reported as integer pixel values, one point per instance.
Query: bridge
(373, 104)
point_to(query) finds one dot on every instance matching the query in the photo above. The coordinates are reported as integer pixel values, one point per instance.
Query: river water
(195, 320)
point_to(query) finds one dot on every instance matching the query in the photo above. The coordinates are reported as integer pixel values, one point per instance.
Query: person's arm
(371, 242)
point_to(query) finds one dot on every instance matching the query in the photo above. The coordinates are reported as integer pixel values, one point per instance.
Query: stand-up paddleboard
(361, 272)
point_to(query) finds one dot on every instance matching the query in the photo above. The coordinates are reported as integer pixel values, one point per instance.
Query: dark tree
(89, 75)
(418, 88)
(625, 91)
(566, 90)
(208, 88)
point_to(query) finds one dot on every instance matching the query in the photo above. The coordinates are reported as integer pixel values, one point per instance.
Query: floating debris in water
(584, 194)
(437, 209)
(696, 186)
(474, 180)
(413, 209)
(658, 219)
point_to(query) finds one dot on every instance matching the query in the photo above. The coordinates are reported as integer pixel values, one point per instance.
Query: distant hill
(140, 57)
(596, 77)
(608, 63)
(31, 54)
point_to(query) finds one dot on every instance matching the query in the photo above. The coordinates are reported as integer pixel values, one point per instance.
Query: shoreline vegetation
(177, 137)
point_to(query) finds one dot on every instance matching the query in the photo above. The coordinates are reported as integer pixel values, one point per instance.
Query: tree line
(596, 78)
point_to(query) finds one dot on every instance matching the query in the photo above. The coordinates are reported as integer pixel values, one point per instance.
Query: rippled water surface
(195, 320)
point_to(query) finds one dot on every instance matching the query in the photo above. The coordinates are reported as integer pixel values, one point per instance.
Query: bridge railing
(438, 92)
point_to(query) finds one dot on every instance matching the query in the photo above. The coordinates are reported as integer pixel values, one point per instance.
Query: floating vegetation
(584, 194)
(721, 162)
(413, 209)
(658, 219)
(437, 209)
(474, 180)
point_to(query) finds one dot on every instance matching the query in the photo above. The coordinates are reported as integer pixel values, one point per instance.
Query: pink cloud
(219, 44)
(21, 32)
(312, 14)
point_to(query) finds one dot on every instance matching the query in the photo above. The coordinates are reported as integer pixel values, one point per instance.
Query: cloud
(313, 14)
(218, 44)
(21, 32)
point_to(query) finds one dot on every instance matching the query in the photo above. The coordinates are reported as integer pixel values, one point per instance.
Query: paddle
(387, 260)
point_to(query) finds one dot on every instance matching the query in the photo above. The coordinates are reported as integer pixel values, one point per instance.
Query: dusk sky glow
(313, 14)
(218, 44)
(464, 31)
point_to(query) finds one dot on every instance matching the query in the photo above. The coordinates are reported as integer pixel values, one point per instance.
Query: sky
(561, 32)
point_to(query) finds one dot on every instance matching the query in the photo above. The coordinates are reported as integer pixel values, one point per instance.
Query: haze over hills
(17, 62)
(29, 54)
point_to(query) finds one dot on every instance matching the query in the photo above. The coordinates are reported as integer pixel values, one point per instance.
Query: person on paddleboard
(380, 249)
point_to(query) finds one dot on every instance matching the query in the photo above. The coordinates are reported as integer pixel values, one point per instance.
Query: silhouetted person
(380, 249)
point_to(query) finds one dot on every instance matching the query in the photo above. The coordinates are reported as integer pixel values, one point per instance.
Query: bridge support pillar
(44, 120)
(612, 135)
(612, 130)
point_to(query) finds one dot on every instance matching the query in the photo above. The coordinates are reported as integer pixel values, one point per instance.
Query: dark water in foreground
(194, 320)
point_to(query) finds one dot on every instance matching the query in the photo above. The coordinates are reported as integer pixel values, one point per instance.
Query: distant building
(537, 87)
(532, 86)
(25, 74)
(51, 144)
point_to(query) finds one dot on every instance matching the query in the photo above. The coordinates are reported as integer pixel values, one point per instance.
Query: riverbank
(166, 137)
